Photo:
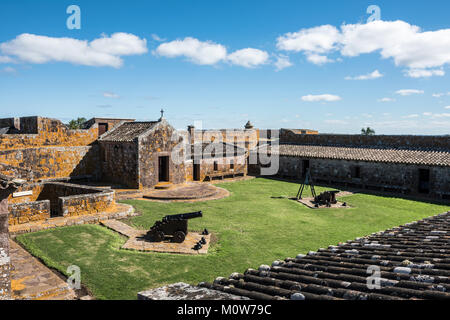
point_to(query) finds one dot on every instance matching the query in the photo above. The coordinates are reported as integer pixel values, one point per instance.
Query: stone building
(412, 165)
(144, 154)
(210, 161)
(247, 138)
(140, 154)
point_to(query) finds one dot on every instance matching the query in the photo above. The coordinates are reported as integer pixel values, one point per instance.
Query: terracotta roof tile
(413, 261)
(404, 156)
(128, 131)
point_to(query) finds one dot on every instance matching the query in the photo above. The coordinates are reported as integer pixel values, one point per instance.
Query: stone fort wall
(242, 137)
(385, 141)
(48, 148)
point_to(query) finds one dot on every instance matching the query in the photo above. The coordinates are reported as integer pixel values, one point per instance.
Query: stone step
(164, 185)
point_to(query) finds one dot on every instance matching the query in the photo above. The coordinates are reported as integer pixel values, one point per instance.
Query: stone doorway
(163, 169)
(424, 181)
(196, 172)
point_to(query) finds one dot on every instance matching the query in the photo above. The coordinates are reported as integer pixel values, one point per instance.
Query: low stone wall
(5, 267)
(52, 199)
(86, 204)
(29, 212)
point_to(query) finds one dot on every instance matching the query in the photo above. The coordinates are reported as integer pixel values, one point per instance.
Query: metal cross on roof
(162, 113)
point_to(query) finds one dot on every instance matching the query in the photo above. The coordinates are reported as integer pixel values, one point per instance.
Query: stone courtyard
(54, 177)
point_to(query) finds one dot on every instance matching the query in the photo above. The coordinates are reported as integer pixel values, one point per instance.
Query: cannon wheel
(157, 236)
(179, 237)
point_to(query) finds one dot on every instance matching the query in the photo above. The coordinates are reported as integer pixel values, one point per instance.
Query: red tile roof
(413, 260)
(371, 154)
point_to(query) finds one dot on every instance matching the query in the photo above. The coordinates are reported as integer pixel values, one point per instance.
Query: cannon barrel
(183, 216)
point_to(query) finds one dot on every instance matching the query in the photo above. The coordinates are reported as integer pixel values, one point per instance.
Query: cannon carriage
(326, 198)
(174, 226)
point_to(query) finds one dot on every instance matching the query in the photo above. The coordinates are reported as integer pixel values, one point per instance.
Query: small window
(231, 164)
(216, 166)
(356, 172)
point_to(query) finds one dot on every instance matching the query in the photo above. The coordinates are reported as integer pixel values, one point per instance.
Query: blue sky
(216, 62)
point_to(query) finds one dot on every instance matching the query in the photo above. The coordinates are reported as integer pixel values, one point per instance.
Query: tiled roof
(404, 156)
(413, 260)
(128, 131)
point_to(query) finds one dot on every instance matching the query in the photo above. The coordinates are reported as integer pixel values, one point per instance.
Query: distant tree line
(76, 123)
(367, 131)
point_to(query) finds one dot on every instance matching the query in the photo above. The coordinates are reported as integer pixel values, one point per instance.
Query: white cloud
(408, 92)
(424, 73)
(282, 62)
(373, 75)
(210, 53)
(157, 38)
(248, 57)
(203, 53)
(411, 116)
(438, 95)
(406, 44)
(321, 98)
(447, 107)
(441, 115)
(314, 42)
(105, 51)
(320, 39)
(6, 59)
(437, 115)
(386, 100)
(111, 95)
(318, 59)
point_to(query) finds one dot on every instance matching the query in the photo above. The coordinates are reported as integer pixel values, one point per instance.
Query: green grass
(256, 225)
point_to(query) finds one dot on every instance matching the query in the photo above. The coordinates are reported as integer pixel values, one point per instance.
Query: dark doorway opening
(196, 172)
(164, 169)
(424, 181)
(102, 128)
(305, 168)
(356, 172)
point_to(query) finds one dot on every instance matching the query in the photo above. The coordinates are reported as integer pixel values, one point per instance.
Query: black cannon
(175, 226)
(326, 198)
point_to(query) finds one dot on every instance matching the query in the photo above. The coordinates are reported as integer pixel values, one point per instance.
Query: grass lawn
(256, 225)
